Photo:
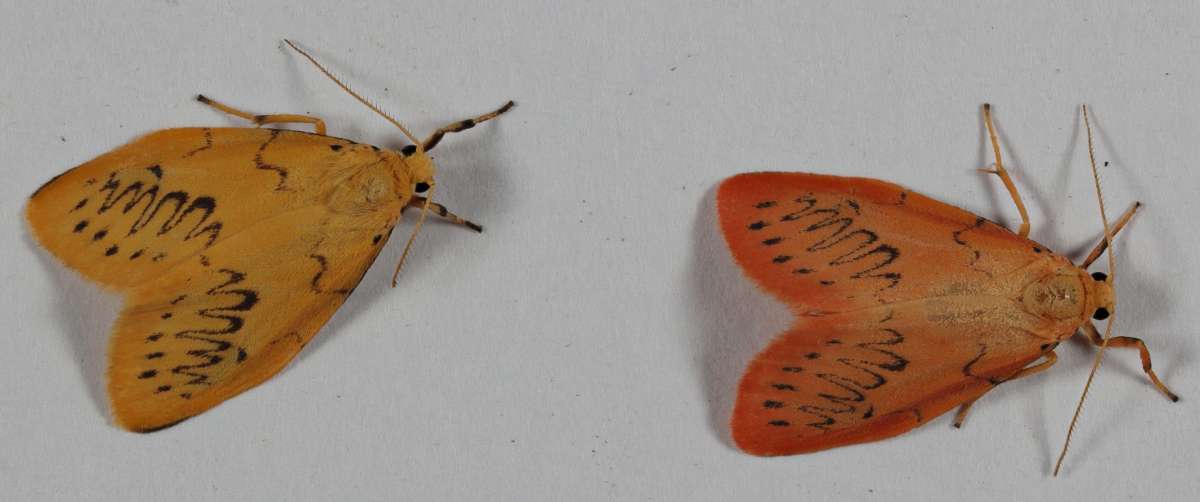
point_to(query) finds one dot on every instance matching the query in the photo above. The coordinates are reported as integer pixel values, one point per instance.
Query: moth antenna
(411, 238)
(355, 94)
(1112, 272)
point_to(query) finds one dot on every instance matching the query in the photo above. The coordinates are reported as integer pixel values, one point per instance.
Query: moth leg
(1128, 341)
(961, 416)
(1000, 171)
(1051, 358)
(440, 210)
(1103, 244)
(462, 125)
(278, 118)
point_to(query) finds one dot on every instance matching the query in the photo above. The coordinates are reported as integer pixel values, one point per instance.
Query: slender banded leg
(1128, 341)
(1003, 173)
(1051, 358)
(440, 210)
(278, 118)
(463, 125)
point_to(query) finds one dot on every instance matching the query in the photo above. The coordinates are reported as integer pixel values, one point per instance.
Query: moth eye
(1101, 314)
(421, 187)
(1099, 276)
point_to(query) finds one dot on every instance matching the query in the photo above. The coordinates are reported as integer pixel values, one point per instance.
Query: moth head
(420, 168)
(1102, 296)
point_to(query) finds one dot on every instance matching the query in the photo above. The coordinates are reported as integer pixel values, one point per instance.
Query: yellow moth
(230, 246)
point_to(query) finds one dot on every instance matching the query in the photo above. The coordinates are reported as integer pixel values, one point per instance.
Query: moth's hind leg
(1000, 171)
(277, 118)
(1128, 341)
(463, 125)
(1051, 358)
(440, 210)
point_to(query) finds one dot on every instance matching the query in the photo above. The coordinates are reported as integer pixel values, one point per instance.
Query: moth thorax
(1058, 296)
(363, 191)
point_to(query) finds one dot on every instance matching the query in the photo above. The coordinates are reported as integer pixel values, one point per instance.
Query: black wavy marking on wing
(259, 163)
(859, 245)
(862, 375)
(215, 340)
(968, 371)
(182, 206)
(315, 284)
(975, 253)
(208, 143)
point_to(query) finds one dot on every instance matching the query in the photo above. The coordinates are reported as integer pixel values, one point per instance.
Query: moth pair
(884, 341)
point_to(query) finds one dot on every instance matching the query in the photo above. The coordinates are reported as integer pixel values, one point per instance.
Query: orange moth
(905, 307)
(230, 246)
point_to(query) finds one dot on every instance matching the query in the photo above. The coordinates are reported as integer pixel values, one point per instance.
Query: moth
(905, 307)
(230, 246)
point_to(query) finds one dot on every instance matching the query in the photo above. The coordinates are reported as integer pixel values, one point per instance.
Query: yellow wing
(137, 211)
(232, 248)
(231, 317)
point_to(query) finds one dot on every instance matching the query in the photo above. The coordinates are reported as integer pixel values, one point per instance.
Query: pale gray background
(587, 346)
